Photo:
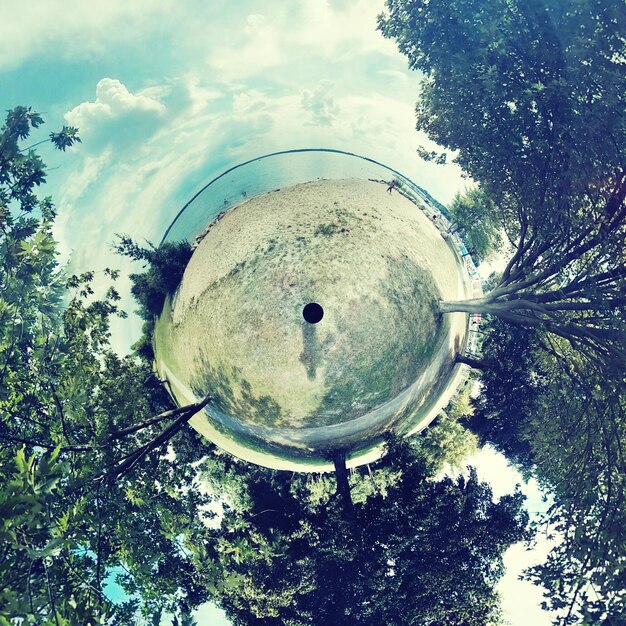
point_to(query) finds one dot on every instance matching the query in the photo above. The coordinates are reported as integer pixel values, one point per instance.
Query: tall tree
(426, 551)
(475, 218)
(530, 94)
(163, 269)
(86, 485)
(565, 424)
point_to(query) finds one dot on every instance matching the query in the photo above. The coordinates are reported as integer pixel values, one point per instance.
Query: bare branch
(124, 466)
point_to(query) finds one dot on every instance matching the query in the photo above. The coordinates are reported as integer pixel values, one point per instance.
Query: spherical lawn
(368, 263)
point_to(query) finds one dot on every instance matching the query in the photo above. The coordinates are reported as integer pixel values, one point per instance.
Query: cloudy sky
(169, 93)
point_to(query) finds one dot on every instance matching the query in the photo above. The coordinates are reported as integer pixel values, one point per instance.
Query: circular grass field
(310, 315)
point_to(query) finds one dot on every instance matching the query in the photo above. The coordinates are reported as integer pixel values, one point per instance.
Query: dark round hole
(313, 312)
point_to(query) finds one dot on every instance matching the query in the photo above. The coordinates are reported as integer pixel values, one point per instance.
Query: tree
(164, 267)
(163, 271)
(514, 89)
(579, 452)
(530, 95)
(513, 86)
(428, 552)
(511, 382)
(565, 424)
(99, 474)
(475, 217)
(575, 292)
(343, 485)
(444, 442)
(83, 432)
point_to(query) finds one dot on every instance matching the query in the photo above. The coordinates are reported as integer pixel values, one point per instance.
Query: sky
(168, 93)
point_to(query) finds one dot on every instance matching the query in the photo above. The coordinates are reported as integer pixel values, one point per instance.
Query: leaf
(52, 548)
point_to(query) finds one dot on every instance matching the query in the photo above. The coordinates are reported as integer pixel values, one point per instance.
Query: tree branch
(124, 466)
(472, 362)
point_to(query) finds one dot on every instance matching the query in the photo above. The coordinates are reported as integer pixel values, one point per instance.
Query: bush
(164, 270)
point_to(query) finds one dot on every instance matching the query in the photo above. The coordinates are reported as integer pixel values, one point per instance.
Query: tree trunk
(468, 360)
(185, 413)
(477, 305)
(343, 486)
(606, 341)
(515, 310)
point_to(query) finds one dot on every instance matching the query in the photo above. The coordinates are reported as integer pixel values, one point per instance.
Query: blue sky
(168, 93)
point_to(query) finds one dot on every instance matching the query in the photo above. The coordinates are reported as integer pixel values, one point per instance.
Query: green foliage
(163, 271)
(511, 387)
(578, 451)
(438, 158)
(530, 97)
(72, 411)
(67, 137)
(475, 216)
(402, 558)
(184, 620)
(514, 88)
(448, 441)
(66, 402)
(28, 532)
(165, 267)
(564, 423)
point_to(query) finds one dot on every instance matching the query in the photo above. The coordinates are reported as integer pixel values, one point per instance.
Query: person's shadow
(311, 350)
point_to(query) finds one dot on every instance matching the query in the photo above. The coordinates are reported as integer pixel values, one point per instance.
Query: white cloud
(401, 77)
(254, 22)
(249, 101)
(86, 174)
(321, 104)
(296, 35)
(78, 184)
(199, 94)
(67, 28)
(236, 40)
(116, 115)
(349, 29)
(250, 47)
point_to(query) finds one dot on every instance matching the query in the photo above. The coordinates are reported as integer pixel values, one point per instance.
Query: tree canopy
(424, 551)
(163, 270)
(101, 479)
(530, 95)
(75, 422)
(565, 424)
(475, 218)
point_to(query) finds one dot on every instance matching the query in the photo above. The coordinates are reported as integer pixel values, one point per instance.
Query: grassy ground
(371, 259)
